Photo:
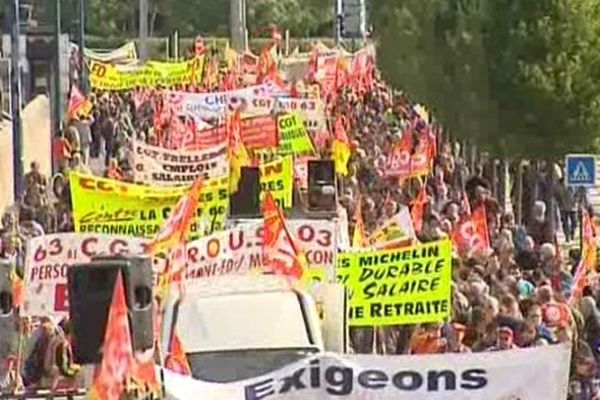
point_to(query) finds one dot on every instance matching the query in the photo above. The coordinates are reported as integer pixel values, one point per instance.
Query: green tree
(517, 76)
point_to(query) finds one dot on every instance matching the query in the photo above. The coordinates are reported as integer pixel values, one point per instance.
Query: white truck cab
(238, 327)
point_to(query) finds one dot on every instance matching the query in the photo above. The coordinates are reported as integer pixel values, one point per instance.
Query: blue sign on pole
(581, 170)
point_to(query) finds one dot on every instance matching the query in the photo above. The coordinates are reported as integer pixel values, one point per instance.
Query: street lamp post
(81, 42)
(15, 75)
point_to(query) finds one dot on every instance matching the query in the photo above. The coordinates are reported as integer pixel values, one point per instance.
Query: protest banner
(239, 250)
(126, 54)
(523, 374)
(211, 106)
(312, 111)
(276, 177)
(111, 207)
(257, 132)
(394, 287)
(162, 167)
(105, 76)
(47, 259)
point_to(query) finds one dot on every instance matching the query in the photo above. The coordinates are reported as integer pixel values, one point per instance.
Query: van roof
(236, 284)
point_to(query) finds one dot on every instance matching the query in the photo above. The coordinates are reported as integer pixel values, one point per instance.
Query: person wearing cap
(505, 339)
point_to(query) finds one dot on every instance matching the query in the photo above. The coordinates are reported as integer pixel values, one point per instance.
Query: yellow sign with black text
(395, 287)
(107, 206)
(277, 177)
(105, 76)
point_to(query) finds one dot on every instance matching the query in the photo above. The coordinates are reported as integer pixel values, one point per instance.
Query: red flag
(418, 208)
(111, 376)
(177, 360)
(281, 254)
(472, 234)
(177, 226)
(398, 162)
(78, 103)
(588, 258)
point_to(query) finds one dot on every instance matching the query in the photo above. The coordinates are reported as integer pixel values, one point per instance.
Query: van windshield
(231, 366)
(269, 320)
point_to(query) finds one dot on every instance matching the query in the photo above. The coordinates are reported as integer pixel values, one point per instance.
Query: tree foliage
(119, 18)
(519, 77)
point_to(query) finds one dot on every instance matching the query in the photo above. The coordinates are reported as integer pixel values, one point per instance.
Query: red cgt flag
(177, 226)
(281, 254)
(472, 234)
(176, 360)
(119, 366)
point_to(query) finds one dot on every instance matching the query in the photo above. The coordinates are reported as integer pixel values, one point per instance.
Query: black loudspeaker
(246, 201)
(322, 190)
(8, 317)
(91, 287)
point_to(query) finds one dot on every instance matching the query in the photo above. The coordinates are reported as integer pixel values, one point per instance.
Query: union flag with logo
(471, 234)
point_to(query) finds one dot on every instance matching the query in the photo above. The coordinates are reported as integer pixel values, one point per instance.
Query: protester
(511, 292)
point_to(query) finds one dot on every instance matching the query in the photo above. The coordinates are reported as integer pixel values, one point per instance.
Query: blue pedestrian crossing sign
(581, 170)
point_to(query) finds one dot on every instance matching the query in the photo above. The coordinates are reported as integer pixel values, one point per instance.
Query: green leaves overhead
(519, 77)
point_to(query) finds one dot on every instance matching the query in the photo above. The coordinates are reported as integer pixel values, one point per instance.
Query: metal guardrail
(78, 394)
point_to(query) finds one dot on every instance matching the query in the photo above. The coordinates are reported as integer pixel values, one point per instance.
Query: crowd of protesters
(513, 296)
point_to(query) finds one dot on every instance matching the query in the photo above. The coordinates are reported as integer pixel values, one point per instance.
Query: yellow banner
(111, 207)
(395, 287)
(154, 73)
(277, 177)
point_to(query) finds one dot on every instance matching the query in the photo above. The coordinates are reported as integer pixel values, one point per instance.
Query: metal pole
(236, 24)
(56, 97)
(81, 40)
(337, 21)
(16, 100)
(287, 42)
(176, 45)
(143, 36)
(244, 26)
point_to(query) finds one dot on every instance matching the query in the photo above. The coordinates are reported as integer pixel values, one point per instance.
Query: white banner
(525, 374)
(208, 106)
(239, 250)
(312, 111)
(162, 167)
(46, 262)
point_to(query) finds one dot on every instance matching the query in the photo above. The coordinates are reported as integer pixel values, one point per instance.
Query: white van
(238, 327)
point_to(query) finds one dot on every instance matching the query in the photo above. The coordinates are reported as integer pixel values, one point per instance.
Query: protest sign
(393, 287)
(46, 262)
(276, 177)
(524, 374)
(111, 207)
(105, 76)
(239, 250)
(257, 132)
(162, 167)
(293, 137)
(294, 140)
